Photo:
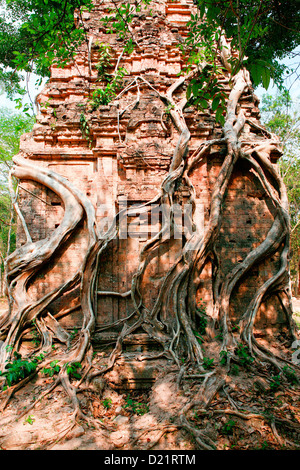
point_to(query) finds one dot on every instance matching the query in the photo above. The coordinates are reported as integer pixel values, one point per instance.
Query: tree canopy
(262, 31)
(37, 33)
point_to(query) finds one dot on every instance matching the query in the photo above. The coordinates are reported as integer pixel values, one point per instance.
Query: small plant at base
(228, 427)
(275, 382)
(30, 420)
(290, 374)
(35, 334)
(243, 354)
(103, 96)
(168, 108)
(201, 322)
(219, 336)
(264, 445)
(72, 370)
(235, 327)
(40, 357)
(135, 407)
(104, 61)
(234, 370)
(73, 334)
(18, 369)
(208, 363)
(223, 357)
(54, 369)
(198, 337)
(107, 403)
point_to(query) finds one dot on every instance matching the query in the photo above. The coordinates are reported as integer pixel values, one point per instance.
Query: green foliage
(219, 335)
(264, 446)
(198, 337)
(52, 370)
(223, 357)
(35, 34)
(168, 108)
(30, 420)
(204, 91)
(290, 374)
(35, 334)
(73, 334)
(107, 403)
(244, 357)
(275, 382)
(72, 370)
(201, 318)
(103, 96)
(228, 427)
(234, 370)
(136, 407)
(119, 18)
(18, 369)
(208, 363)
(104, 62)
(201, 322)
(262, 32)
(84, 126)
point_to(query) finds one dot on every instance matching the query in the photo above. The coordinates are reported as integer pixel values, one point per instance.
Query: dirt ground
(141, 421)
(137, 420)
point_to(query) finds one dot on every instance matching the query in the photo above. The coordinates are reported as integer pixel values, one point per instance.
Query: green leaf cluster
(35, 34)
(275, 382)
(228, 427)
(107, 402)
(290, 374)
(208, 363)
(136, 407)
(52, 370)
(201, 323)
(261, 31)
(244, 356)
(223, 357)
(103, 96)
(72, 370)
(119, 18)
(104, 62)
(206, 92)
(84, 126)
(18, 369)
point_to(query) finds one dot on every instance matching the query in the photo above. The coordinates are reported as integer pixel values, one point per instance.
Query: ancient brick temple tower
(119, 153)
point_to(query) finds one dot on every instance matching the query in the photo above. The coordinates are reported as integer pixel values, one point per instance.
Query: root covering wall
(118, 156)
